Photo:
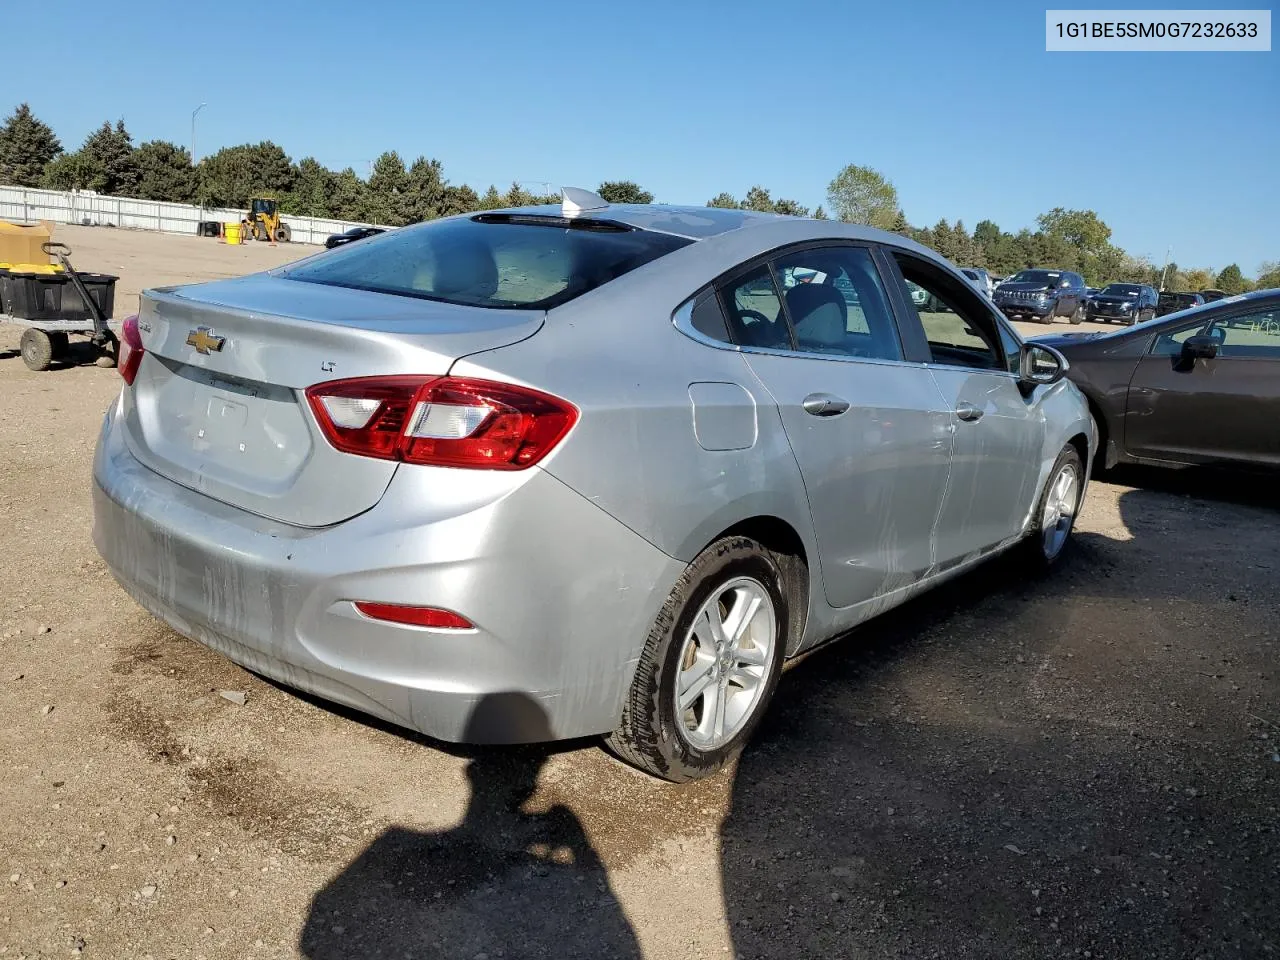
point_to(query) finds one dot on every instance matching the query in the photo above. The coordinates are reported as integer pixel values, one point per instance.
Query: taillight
(129, 350)
(433, 617)
(447, 422)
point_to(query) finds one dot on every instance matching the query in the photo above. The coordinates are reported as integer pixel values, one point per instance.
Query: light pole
(1165, 269)
(193, 131)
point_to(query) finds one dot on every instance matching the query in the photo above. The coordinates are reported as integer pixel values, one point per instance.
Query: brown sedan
(1201, 386)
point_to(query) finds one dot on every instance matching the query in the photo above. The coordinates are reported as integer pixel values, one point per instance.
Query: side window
(1243, 336)
(960, 330)
(1170, 344)
(837, 303)
(708, 319)
(753, 308)
(1012, 348)
(1250, 335)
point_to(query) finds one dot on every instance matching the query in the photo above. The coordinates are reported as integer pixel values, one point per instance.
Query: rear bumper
(562, 595)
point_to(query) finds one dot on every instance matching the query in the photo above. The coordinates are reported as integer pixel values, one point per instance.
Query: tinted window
(960, 330)
(837, 304)
(754, 310)
(1255, 335)
(1252, 335)
(491, 260)
(708, 320)
(1122, 290)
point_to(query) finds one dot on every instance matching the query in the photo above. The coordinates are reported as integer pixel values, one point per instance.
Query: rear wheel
(710, 664)
(1056, 512)
(36, 349)
(1077, 315)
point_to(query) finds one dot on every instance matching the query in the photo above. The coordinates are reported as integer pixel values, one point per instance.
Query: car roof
(701, 223)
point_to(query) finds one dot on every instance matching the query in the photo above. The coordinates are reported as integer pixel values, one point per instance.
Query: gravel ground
(1085, 766)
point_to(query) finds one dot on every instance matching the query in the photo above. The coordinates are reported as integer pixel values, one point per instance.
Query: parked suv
(1129, 303)
(1173, 302)
(1042, 295)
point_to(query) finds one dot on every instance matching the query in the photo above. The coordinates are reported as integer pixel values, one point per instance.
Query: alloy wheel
(725, 662)
(1059, 510)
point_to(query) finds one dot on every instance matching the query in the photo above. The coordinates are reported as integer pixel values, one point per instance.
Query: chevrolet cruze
(600, 469)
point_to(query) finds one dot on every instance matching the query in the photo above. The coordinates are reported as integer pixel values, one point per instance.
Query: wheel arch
(784, 541)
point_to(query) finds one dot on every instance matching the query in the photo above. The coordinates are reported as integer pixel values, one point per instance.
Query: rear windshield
(1122, 289)
(491, 260)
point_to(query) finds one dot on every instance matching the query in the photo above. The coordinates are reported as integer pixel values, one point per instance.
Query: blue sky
(958, 104)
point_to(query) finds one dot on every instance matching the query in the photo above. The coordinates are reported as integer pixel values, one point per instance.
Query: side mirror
(1199, 347)
(1039, 364)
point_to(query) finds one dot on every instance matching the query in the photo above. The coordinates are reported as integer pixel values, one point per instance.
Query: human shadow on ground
(505, 882)
(1085, 765)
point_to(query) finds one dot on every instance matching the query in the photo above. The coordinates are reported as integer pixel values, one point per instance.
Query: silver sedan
(575, 470)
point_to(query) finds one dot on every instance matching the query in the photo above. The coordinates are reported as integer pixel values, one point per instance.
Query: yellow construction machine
(263, 221)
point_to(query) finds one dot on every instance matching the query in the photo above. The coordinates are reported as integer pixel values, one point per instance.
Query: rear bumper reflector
(432, 617)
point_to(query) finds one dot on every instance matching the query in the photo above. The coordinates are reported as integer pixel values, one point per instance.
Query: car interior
(835, 304)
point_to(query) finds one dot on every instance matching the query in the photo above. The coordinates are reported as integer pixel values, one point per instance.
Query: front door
(1221, 409)
(869, 431)
(998, 433)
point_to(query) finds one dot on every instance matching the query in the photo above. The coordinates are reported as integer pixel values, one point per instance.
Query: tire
(653, 734)
(60, 343)
(283, 233)
(36, 349)
(1077, 316)
(1047, 318)
(1042, 551)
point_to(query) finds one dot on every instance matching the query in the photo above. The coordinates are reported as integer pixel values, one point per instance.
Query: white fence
(27, 205)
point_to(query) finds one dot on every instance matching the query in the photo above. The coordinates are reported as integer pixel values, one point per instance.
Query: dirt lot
(1087, 766)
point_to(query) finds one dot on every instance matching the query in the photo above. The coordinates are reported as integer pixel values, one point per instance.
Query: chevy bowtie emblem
(204, 341)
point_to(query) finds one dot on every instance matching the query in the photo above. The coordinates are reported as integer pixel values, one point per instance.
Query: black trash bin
(100, 286)
(33, 296)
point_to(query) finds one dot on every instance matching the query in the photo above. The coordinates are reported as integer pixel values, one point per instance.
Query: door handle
(824, 405)
(968, 412)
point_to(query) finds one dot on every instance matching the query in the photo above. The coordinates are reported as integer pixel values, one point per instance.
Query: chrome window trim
(682, 319)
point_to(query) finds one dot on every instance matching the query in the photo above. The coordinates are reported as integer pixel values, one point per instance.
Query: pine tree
(26, 147)
(111, 151)
(164, 172)
(426, 193)
(900, 225)
(492, 199)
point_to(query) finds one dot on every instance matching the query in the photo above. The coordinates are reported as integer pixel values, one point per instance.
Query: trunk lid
(217, 405)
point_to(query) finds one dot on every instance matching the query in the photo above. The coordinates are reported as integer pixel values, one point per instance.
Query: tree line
(398, 193)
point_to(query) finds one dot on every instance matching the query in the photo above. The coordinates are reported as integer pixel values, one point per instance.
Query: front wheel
(1077, 316)
(1056, 512)
(709, 666)
(283, 233)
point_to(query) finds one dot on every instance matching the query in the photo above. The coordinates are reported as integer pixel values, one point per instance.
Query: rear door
(1223, 409)
(868, 429)
(997, 431)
